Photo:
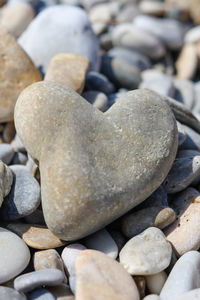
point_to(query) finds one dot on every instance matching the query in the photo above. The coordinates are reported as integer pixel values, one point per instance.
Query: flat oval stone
(69, 255)
(108, 141)
(16, 253)
(7, 293)
(35, 236)
(41, 294)
(24, 197)
(68, 69)
(155, 282)
(184, 233)
(29, 281)
(185, 276)
(147, 253)
(20, 75)
(6, 153)
(102, 241)
(69, 26)
(6, 180)
(93, 269)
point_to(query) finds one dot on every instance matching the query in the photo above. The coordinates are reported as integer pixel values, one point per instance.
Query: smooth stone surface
(187, 62)
(69, 255)
(6, 180)
(91, 195)
(9, 132)
(24, 197)
(99, 82)
(19, 159)
(97, 99)
(140, 220)
(185, 92)
(155, 282)
(48, 259)
(181, 134)
(147, 253)
(192, 141)
(183, 172)
(16, 253)
(163, 86)
(152, 297)
(184, 233)
(192, 35)
(60, 29)
(6, 153)
(129, 36)
(158, 198)
(41, 294)
(7, 293)
(61, 292)
(29, 281)
(184, 276)
(36, 236)
(15, 18)
(103, 242)
(191, 295)
(167, 30)
(69, 70)
(98, 274)
(13, 77)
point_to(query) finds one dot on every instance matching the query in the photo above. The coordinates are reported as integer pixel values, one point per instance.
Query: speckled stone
(16, 253)
(24, 197)
(69, 70)
(93, 269)
(184, 276)
(155, 282)
(184, 233)
(7, 293)
(13, 77)
(29, 281)
(69, 255)
(6, 179)
(147, 253)
(35, 236)
(6, 153)
(102, 241)
(41, 294)
(111, 139)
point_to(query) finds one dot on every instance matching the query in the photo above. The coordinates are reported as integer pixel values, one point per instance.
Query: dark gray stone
(41, 294)
(98, 82)
(192, 140)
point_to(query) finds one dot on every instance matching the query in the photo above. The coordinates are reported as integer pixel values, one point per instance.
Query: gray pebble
(181, 134)
(72, 283)
(158, 198)
(163, 86)
(98, 82)
(24, 197)
(41, 294)
(192, 140)
(185, 92)
(29, 281)
(19, 159)
(7, 293)
(6, 153)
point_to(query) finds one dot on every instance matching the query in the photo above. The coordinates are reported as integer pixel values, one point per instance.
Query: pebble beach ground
(99, 150)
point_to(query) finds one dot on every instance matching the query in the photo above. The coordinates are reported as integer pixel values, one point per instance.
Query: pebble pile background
(99, 150)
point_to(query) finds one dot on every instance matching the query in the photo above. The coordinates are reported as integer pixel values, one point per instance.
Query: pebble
(48, 259)
(6, 153)
(155, 282)
(13, 77)
(102, 241)
(9, 132)
(139, 257)
(183, 172)
(192, 141)
(167, 30)
(129, 36)
(97, 99)
(118, 237)
(69, 255)
(24, 197)
(181, 134)
(29, 281)
(187, 61)
(41, 294)
(69, 70)
(67, 30)
(184, 234)
(193, 35)
(36, 236)
(60, 214)
(185, 92)
(14, 254)
(140, 220)
(15, 18)
(61, 292)
(7, 293)
(192, 295)
(98, 274)
(158, 198)
(163, 86)
(152, 297)
(151, 7)
(185, 276)
(98, 82)
(6, 180)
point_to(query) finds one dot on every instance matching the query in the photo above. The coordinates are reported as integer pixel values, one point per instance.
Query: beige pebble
(68, 69)
(36, 236)
(147, 253)
(187, 62)
(155, 282)
(98, 274)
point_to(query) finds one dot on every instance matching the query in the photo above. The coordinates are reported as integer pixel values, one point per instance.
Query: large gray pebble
(167, 30)
(24, 197)
(7, 293)
(184, 276)
(60, 29)
(41, 294)
(6, 153)
(29, 281)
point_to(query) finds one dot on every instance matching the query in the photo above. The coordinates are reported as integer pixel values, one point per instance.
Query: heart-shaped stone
(94, 166)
